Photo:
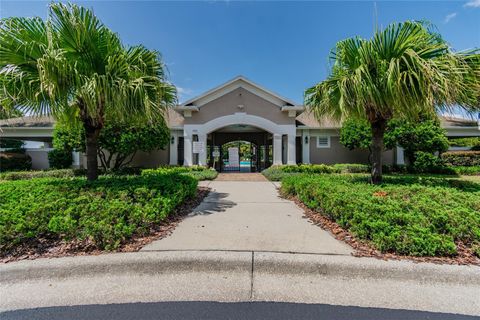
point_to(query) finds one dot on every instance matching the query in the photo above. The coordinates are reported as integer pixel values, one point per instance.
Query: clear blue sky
(283, 46)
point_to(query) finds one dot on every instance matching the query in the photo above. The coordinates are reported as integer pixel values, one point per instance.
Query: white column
(202, 156)
(306, 146)
(292, 152)
(400, 156)
(277, 149)
(76, 159)
(173, 148)
(187, 149)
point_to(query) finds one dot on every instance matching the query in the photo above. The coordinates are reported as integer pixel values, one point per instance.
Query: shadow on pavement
(214, 202)
(217, 310)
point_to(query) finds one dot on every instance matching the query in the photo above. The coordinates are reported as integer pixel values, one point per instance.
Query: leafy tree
(425, 136)
(117, 143)
(73, 66)
(404, 70)
(356, 134)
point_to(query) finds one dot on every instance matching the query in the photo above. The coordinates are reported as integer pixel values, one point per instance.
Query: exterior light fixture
(172, 140)
(306, 139)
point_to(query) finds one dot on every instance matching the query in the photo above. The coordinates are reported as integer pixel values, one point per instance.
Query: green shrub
(469, 171)
(473, 142)
(106, 212)
(197, 172)
(60, 159)
(351, 168)
(462, 158)
(55, 173)
(13, 161)
(408, 215)
(426, 162)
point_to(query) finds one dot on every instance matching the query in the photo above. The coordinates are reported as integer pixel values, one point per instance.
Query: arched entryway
(240, 148)
(243, 126)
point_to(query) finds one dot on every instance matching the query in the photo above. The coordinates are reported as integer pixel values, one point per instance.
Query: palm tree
(73, 66)
(404, 70)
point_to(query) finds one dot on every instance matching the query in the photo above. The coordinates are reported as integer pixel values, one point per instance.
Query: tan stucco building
(278, 130)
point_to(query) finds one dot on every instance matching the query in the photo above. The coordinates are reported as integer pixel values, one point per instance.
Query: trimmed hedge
(469, 171)
(462, 158)
(105, 213)
(60, 159)
(56, 173)
(472, 142)
(276, 173)
(13, 161)
(197, 172)
(416, 216)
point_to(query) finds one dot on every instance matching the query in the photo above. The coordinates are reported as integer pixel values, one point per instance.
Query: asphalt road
(216, 310)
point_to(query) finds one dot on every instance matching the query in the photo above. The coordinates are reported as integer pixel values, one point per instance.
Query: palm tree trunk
(92, 134)
(378, 130)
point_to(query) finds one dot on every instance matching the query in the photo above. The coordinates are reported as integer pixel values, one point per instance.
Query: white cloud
(184, 93)
(473, 4)
(449, 17)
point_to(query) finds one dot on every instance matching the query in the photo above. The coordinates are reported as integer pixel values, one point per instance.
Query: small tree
(118, 143)
(356, 134)
(425, 136)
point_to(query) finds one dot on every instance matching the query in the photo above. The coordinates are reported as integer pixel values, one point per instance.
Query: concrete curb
(366, 268)
(122, 263)
(254, 263)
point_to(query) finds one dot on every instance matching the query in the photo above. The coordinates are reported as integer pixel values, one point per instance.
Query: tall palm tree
(73, 66)
(404, 70)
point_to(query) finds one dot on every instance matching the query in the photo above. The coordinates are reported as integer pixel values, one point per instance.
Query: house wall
(153, 159)
(228, 104)
(337, 153)
(39, 158)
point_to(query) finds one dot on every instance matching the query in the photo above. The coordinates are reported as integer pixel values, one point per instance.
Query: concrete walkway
(248, 216)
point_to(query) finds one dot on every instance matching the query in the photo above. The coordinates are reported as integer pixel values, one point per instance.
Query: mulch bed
(52, 248)
(465, 255)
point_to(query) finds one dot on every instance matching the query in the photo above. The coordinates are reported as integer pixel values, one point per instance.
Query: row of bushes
(407, 215)
(472, 142)
(462, 158)
(276, 173)
(425, 163)
(197, 172)
(105, 213)
(18, 160)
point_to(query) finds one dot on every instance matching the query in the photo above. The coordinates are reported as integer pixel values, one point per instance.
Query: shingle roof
(173, 118)
(30, 121)
(308, 119)
(447, 121)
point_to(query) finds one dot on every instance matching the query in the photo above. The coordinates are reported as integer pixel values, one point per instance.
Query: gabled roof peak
(238, 81)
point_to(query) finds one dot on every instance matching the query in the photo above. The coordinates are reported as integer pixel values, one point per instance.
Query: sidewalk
(248, 216)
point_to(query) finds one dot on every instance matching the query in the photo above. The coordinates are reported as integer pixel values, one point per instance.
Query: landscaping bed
(428, 218)
(197, 172)
(59, 216)
(278, 172)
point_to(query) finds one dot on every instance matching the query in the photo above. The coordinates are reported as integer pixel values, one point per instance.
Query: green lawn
(407, 215)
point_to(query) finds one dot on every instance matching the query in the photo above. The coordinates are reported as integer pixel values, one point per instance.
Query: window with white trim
(323, 141)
